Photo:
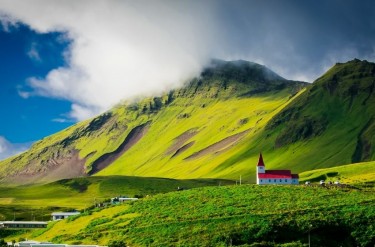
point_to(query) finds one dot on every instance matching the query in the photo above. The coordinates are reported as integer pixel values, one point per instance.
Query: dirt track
(219, 146)
(178, 145)
(60, 167)
(132, 138)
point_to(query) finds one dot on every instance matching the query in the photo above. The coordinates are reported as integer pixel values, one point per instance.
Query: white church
(274, 176)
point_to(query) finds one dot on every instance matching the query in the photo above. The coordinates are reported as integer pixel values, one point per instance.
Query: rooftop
(65, 213)
(23, 222)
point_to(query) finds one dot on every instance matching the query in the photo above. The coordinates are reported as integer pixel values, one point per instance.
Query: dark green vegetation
(246, 215)
(39, 201)
(339, 106)
(331, 123)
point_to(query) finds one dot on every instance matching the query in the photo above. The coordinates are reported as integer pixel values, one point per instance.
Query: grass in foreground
(245, 215)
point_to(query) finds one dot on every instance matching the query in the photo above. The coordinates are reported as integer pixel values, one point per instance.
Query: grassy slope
(40, 200)
(217, 120)
(237, 215)
(324, 126)
(352, 174)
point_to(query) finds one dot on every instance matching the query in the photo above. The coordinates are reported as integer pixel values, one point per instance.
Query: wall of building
(277, 181)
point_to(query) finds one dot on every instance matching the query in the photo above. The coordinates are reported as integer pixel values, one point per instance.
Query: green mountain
(182, 134)
(215, 126)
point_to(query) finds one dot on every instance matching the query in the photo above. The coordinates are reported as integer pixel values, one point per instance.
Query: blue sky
(24, 54)
(65, 61)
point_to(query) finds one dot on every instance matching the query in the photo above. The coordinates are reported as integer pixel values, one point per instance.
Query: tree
(3, 243)
(117, 243)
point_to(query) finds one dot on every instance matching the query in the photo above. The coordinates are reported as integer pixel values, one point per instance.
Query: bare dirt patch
(183, 148)
(219, 146)
(179, 141)
(132, 138)
(68, 165)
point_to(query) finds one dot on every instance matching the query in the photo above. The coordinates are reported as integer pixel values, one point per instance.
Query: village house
(23, 224)
(32, 243)
(120, 199)
(274, 176)
(63, 215)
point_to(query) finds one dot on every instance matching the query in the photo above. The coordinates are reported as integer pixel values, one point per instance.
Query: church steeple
(261, 168)
(260, 161)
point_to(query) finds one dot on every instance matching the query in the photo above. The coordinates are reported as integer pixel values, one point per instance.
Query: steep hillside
(335, 117)
(185, 133)
(246, 215)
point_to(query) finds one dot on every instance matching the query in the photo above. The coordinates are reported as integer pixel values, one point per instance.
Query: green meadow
(244, 215)
(359, 173)
(39, 201)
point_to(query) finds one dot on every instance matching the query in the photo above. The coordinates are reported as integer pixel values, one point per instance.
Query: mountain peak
(242, 68)
(350, 72)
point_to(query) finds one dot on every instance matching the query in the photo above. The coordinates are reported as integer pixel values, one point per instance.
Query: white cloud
(61, 120)
(8, 149)
(82, 112)
(33, 53)
(119, 49)
(7, 21)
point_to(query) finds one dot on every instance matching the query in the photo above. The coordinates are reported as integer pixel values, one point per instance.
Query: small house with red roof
(274, 176)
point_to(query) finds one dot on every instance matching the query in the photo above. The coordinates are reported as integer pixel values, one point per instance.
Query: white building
(274, 176)
(121, 199)
(63, 215)
(23, 224)
(32, 243)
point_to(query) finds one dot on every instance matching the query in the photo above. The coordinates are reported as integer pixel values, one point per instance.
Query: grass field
(351, 174)
(38, 201)
(229, 216)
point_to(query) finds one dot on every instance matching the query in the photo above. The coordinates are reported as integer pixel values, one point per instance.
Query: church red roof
(260, 162)
(277, 174)
(295, 176)
(280, 172)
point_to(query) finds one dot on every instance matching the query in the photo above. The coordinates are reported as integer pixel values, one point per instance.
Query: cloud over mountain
(124, 49)
(118, 49)
(8, 149)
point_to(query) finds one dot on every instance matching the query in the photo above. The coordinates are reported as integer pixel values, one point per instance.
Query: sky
(66, 61)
